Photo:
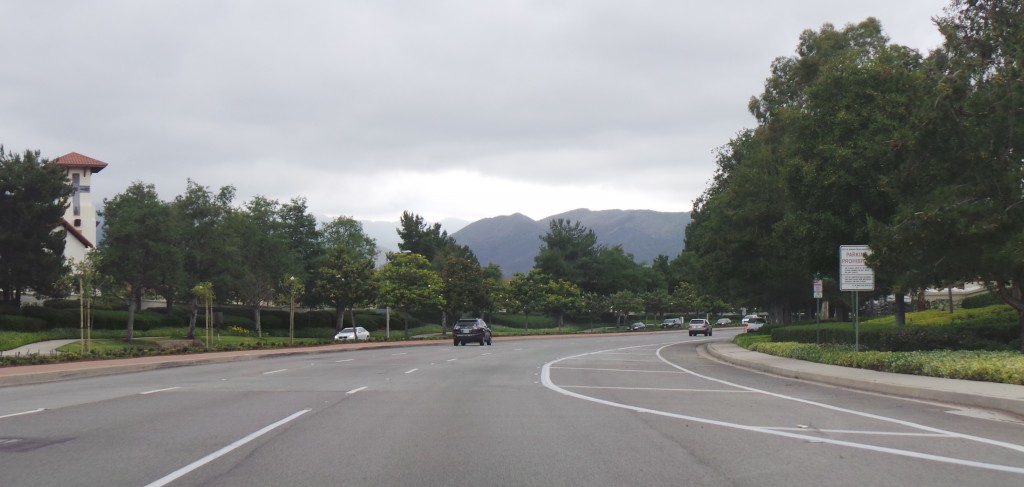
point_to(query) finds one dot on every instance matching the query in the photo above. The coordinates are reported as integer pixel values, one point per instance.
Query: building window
(75, 200)
(78, 222)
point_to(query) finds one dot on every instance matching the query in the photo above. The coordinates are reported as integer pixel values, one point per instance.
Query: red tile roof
(74, 159)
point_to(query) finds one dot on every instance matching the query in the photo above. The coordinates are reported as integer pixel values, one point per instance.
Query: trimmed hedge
(991, 328)
(26, 324)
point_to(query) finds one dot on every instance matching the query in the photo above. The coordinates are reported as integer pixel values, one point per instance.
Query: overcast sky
(449, 109)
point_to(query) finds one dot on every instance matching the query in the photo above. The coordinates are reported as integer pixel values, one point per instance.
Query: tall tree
(202, 238)
(569, 252)
(430, 241)
(138, 250)
(265, 258)
(344, 277)
(463, 288)
(525, 293)
(33, 197)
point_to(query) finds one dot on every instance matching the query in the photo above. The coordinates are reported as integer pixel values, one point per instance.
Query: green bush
(54, 318)
(982, 301)
(22, 323)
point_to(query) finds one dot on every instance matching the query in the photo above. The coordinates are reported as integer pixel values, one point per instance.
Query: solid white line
(411, 371)
(546, 381)
(621, 370)
(223, 451)
(656, 389)
(23, 413)
(852, 432)
(159, 390)
(274, 371)
(353, 391)
(343, 360)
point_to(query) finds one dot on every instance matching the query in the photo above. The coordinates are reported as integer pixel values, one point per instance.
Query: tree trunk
(169, 307)
(256, 319)
(901, 310)
(193, 308)
(339, 318)
(136, 295)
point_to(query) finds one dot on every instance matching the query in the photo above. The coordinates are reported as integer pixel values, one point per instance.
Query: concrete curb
(1004, 397)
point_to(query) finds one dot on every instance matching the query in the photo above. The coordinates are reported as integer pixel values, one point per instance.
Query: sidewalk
(988, 395)
(39, 348)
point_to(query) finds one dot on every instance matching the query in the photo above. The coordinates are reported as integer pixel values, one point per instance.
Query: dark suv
(471, 330)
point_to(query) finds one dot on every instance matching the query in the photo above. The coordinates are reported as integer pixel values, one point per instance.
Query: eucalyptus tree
(138, 251)
(33, 195)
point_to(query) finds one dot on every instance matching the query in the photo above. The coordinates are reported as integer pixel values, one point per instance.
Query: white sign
(854, 273)
(817, 289)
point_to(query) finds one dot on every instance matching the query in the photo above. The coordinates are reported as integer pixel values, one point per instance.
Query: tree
(963, 220)
(201, 217)
(300, 229)
(569, 252)
(265, 258)
(344, 277)
(430, 241)
(560, 298)
(525, 293)
(33, 195)
(463, 288)
(408, 283)
(624, 303)
(138, 251)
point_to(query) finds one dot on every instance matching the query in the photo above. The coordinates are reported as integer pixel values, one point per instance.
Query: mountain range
(512, 241)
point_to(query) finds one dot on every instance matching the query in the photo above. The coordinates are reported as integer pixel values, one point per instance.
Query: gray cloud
(368, 108)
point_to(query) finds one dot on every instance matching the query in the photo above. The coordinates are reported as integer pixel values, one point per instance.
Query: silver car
(700, 326)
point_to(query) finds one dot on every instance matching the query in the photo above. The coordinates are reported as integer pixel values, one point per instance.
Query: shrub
(982, 301)
(22, 323)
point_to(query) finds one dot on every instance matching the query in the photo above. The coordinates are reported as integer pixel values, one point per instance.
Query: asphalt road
(644, 409)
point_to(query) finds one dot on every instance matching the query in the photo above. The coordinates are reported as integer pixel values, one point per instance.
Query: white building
(80, 217)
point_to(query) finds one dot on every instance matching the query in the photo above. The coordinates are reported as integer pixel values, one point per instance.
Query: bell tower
(80, 216)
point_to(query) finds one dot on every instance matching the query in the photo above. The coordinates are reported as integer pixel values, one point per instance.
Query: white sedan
(346, 334)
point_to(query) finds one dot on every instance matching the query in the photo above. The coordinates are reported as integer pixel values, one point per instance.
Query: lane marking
(854, 432)
(23, 413)
(621, 370)
(485, 353)
(399, 353)
(411, 371)
(657, 389)
(901, 422)
(274, 371)
(223, 451)
(353, 391)
(159, 390)
(451, 360)
(546, 381)
(344, 360)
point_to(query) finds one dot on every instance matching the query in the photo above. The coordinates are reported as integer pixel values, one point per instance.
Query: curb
(1008, 398)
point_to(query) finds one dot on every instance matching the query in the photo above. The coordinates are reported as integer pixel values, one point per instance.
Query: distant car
(701, 326)
(672, 323)
(755, 324)
(747, 319)
(471, 330)
(637, 326)
(723, 322)
(346, 334)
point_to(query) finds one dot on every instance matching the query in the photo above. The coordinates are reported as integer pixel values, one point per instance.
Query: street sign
(854, 273)
(817, 289)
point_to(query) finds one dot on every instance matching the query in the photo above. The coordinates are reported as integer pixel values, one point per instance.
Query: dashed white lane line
(547, 382)
(451, 360)
(274, 371)
(411, 371)
(657, 389)
(159, 390)
(223, 451)
(343, 360)
(399, 353)
(23, 413)
(353, 391)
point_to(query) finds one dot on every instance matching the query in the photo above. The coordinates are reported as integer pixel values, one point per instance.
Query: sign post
(855, 276)
(817, 308)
